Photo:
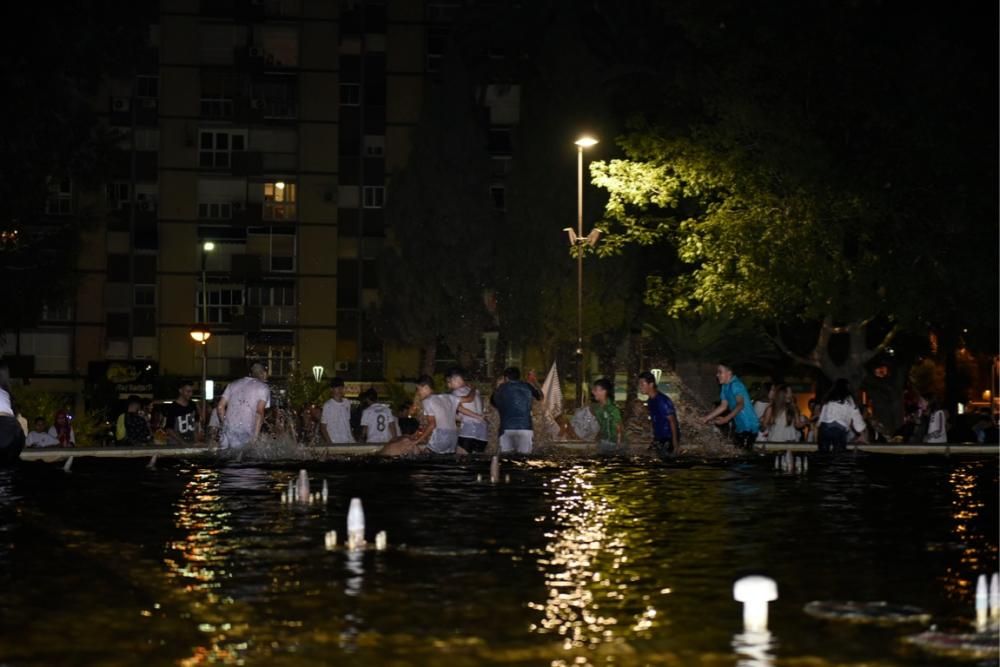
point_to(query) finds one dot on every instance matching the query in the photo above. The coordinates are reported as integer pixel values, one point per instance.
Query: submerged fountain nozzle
(325, 493)
(381, 540)
(69, 465)
(356, 525)
(755, 592)
(495, 470)
(330, 539)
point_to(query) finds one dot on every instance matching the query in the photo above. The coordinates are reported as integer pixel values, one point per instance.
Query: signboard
(124, 377)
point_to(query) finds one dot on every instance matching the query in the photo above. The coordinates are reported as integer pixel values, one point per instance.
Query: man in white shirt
(439, 434)
(335, 420)
(473, 432)
(241, 408)
(378, 424)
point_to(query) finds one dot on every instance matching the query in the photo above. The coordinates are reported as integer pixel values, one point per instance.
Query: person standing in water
(513, 400)
(662, 414)
(335, 421)
(241, 408)
(609, 417)
(736, 408)
(11, 433)
(473, 432)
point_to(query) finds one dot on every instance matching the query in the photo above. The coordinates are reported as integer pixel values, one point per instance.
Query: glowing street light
(318, 373)
(577, 239)
(200, 334)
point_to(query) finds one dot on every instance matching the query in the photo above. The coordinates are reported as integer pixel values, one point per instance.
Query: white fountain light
(330, 539)
(381, 540)
(982, 603)
(69, 465)
(325, 494)
(495, 470)
(755, 592)
(303, 490)
(355, 525)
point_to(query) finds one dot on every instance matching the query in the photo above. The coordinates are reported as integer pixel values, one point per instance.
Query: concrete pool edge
(321, 452)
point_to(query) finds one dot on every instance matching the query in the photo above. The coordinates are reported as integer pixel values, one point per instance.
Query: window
(374, 145)
(224, 303)
(119, 195)
(145, 295)
(144, 269)
(350, 94)
(279, 201)
(215, 148)
(218, 89)
(500, 141)
(279, 45)
(116, 325)
(374, 196)
(500, 166)
(215, 210)
(60, 198)
(277, 304)
(278, 357)
(499, 195)
(147, 85)
(143, 321)
(57, 311)
(146, 139)
(52, 350)
(118, 268)
(437, 44)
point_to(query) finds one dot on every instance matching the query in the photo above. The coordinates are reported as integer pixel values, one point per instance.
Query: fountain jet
(755, 592)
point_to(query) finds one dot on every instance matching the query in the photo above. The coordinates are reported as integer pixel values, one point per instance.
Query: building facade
(268, 129)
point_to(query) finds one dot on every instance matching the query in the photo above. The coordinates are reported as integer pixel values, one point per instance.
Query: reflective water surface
(573, 562)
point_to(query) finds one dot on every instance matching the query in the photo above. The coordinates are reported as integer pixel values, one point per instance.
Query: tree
(441, 219)
(51, 74)
(797, 184)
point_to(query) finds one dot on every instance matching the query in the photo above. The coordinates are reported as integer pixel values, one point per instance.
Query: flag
(552, 398)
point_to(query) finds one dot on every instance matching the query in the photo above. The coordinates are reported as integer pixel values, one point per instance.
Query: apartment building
(257, 140)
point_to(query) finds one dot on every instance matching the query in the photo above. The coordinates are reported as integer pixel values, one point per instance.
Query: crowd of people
(458, 419)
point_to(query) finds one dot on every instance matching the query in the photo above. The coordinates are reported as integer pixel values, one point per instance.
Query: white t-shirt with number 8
(377, 418)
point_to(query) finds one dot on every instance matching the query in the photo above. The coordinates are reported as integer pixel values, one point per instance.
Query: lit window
(279, 201)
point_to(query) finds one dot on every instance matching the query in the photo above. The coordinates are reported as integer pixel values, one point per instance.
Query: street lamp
(318, 373)
(201, 333)
(578, 240)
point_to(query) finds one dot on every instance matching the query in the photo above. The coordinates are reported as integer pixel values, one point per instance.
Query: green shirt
(609, 417)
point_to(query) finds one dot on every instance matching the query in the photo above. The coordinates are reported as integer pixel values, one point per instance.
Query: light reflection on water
(573, 563)
(583, 567)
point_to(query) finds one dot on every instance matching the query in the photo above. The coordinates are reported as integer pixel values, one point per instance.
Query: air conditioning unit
(255, 52)
(121, 104)
(149, 103)
(341, 366)
(256, 104)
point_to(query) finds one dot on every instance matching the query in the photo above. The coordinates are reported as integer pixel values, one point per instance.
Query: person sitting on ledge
(39, 435)
(439, 434)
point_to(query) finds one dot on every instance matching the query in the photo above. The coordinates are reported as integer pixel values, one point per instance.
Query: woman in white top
(839, 418)
(781, 418)
(11, 434)
(937, 426)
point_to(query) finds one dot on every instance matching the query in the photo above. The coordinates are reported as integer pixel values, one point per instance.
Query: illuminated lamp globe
(200, 334)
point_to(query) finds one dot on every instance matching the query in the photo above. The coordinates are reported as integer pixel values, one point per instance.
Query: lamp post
(201, 333)
(577, 240)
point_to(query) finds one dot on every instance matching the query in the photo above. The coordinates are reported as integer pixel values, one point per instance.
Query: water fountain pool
(573, 562)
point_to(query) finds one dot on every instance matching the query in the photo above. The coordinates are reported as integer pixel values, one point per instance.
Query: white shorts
(443, 441)
(517, 441)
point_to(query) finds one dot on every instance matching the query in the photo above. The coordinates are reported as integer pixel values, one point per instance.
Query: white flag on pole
(552, 398)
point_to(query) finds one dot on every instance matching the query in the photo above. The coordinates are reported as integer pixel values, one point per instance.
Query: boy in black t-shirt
(182, 425)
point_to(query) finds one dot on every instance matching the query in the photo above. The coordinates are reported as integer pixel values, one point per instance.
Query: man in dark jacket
(513, 399)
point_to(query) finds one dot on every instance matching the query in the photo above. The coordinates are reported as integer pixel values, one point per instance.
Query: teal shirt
(746, 421)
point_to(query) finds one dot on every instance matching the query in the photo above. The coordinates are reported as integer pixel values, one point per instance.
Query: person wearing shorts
(513, 400)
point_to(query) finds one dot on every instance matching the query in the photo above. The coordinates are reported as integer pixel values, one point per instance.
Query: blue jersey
(746, 421)
(660, 409)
